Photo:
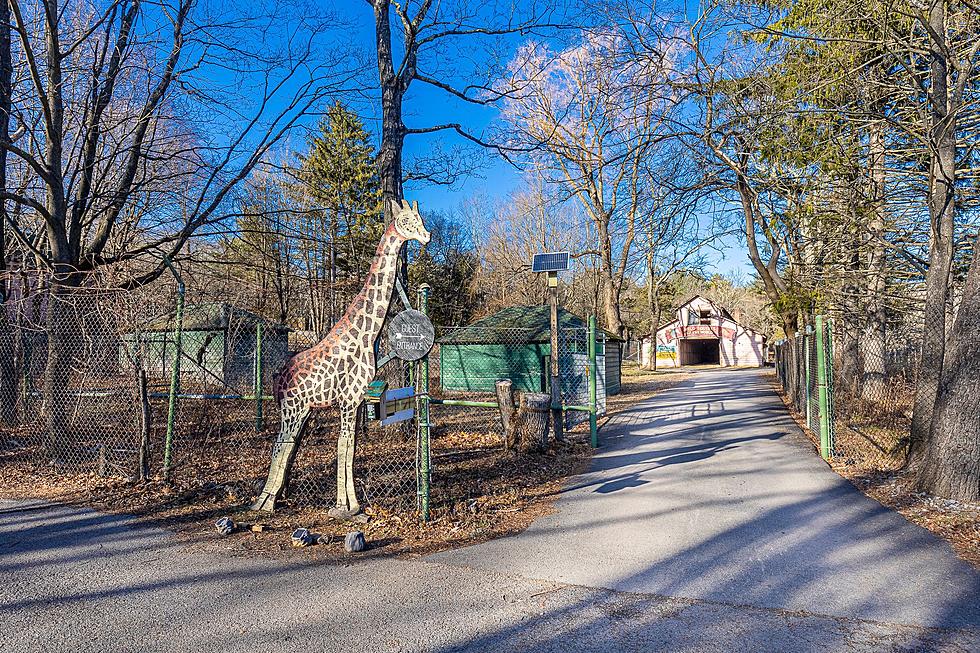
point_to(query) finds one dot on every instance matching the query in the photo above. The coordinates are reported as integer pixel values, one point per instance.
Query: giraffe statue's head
(408, 222)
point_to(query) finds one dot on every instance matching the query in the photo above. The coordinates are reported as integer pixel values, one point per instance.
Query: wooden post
(505, 402)
(556, 418)
(144, 462)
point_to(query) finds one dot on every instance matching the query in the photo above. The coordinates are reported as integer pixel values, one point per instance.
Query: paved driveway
(705, 525)
(710, 491)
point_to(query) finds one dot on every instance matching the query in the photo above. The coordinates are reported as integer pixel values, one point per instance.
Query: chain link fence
(155, 383)
(853, 388)
(165, 382)
(79, 388)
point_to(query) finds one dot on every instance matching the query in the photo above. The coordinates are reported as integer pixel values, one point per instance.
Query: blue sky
(425, 106)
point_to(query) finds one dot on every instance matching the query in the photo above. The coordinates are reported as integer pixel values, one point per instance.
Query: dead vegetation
(479, 490)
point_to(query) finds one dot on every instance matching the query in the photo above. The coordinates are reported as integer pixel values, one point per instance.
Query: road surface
(706, 523)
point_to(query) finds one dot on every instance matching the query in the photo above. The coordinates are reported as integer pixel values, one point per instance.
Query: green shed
(218, 343)
(515, 344)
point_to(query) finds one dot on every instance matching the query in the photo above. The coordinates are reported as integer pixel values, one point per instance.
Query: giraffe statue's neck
(367, 312)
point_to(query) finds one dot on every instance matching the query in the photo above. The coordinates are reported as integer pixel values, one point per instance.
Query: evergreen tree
(338, 177)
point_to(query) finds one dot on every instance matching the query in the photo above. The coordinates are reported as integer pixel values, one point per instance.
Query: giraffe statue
(337, 370)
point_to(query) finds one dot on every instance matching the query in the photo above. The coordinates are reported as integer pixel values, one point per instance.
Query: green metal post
(806, 377)
(259, 332)
(822, 394)
(174, 381)
(424, 471)
(593, 427)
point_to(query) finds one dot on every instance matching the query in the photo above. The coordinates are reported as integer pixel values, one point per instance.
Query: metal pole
(259, 332)
(556, 416)
(425, 467)
(822, 395)
(593, 427)
(174, 380)
(806, 378)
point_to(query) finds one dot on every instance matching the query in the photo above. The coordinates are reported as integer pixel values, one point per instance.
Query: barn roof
(692, 296)
(211, 316)
(516, 325)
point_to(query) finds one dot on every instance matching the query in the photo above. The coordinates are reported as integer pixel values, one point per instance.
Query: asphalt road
(704, 525)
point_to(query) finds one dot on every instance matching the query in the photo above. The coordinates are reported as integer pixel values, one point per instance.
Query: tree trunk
(655, 311)
(873, 340)
(610, 303)
(531, 421)
(61, 333)
(774, 286)
(392, 128)
(942, 174)
(950, 465)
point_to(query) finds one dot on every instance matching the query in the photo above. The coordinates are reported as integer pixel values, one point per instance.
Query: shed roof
(210, 316)
(517, 325)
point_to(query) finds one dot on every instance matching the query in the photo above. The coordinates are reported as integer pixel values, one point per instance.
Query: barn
(704, 333)
(515, 343)
(218, 345)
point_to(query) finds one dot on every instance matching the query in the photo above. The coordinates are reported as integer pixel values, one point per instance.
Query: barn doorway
(700, 352)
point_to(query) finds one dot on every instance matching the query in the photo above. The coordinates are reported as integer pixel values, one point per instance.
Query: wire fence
(466, 362)
(156, 383)
(149, 383)
(853, 388)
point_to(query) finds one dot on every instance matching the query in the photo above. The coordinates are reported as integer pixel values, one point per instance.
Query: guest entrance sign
(410, 335)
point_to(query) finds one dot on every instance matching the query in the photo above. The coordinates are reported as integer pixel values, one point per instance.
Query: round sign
(410, 335)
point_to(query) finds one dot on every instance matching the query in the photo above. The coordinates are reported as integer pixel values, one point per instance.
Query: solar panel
(550, 262)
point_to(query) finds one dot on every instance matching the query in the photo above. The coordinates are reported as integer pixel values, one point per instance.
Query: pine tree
(339, 177)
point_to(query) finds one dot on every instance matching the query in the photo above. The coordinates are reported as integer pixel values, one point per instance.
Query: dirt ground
(480, 491)
(957, 523)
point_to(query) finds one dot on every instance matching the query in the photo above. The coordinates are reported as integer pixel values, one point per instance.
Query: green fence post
(822, 395)
(424, 479)
(831, 410)
(806, 378)
(259, 333)
(593, 427)
(174, 381)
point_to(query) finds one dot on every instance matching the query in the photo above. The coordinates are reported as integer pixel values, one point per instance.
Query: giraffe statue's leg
(283, 454)
(347, 503)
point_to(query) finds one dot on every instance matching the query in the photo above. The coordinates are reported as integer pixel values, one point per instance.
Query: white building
(704, 333)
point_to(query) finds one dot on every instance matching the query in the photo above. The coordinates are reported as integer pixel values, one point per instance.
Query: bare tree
(141, 119)
(436, 39)
(593, 113)
(527, 222)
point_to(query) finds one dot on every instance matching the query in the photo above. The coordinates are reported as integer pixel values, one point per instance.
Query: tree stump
(531, 421)
(524, 419)
(505, 401)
